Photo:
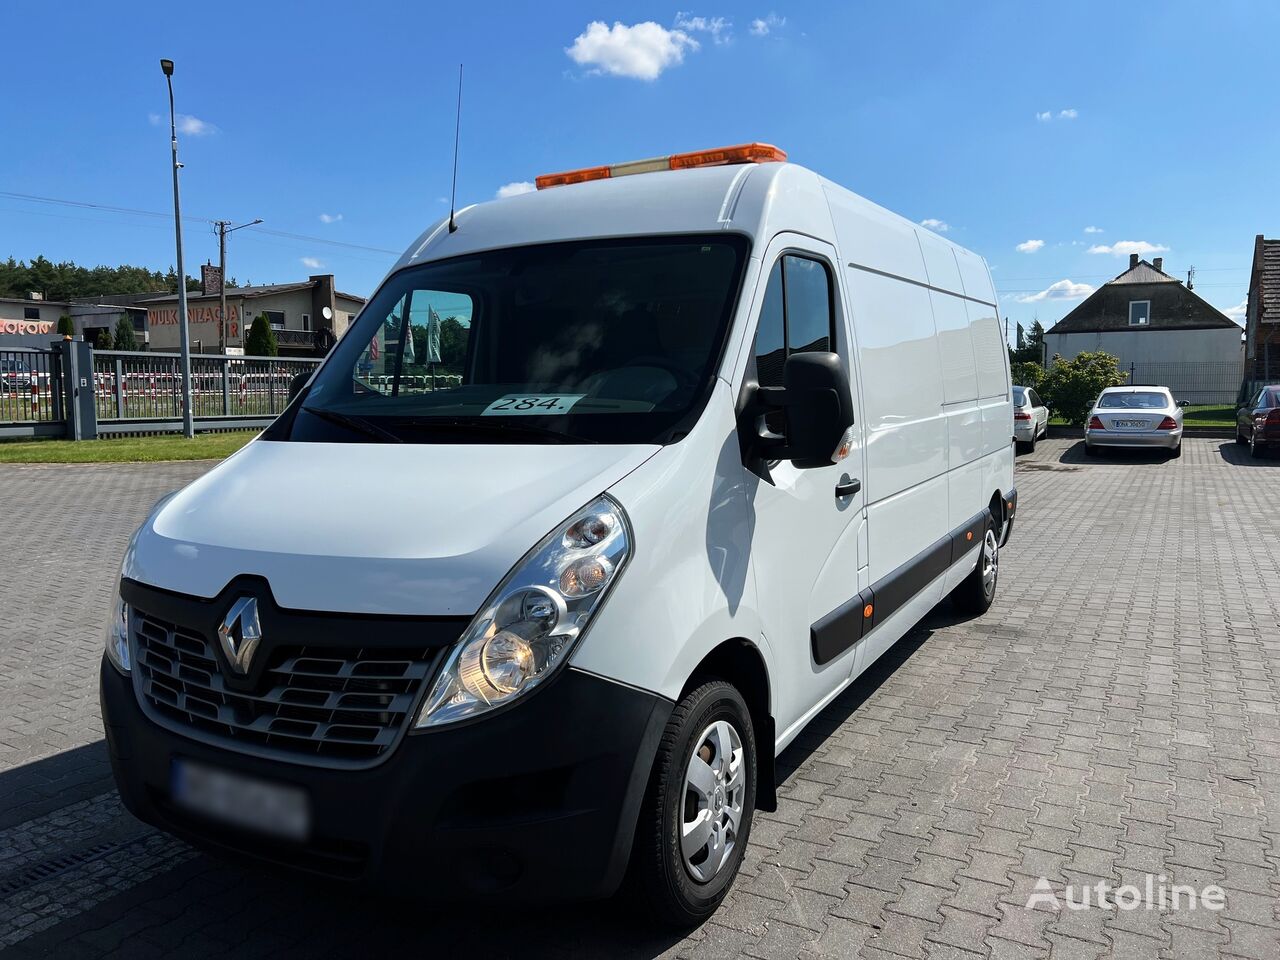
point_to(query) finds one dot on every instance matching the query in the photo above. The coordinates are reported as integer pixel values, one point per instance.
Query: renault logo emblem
(239, 633)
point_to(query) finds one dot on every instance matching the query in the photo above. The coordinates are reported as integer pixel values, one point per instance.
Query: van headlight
(117, 637)
(531, 623)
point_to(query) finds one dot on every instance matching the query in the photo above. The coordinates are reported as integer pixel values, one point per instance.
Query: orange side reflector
(744, 153)
(968, 534)
(867, 611)
(572, 176)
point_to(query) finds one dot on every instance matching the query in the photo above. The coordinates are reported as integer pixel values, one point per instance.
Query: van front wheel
(696, 817)
(976, 592)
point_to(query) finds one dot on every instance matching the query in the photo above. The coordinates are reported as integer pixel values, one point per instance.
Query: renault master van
(607, 492)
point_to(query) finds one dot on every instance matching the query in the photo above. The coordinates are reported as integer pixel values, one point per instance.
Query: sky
(1053, 139)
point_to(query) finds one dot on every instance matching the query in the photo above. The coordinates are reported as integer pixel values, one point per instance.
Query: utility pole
(1191, 276)
(184, 334)
(223, 227)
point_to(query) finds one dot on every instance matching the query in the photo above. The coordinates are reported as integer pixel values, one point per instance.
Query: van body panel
(688, 586)
(419, 530)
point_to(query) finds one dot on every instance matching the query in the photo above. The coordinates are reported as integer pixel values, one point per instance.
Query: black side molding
(855, 618)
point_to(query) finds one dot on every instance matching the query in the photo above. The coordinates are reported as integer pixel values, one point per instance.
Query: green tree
(1030, 345)
(103, 340)
(261, 341)
(66, 327)
(453, 344)
(1071, 386)
(125, 338)
(1027, 373)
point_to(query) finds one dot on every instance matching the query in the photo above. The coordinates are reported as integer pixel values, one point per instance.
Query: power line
(108, 208)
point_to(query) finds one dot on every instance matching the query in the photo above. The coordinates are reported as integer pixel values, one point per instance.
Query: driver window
(796, 316)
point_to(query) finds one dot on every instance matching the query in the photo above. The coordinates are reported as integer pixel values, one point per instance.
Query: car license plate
(1137, 424)
(274, 809)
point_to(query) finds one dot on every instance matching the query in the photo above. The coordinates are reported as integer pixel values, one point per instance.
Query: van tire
(975, 593)
(659, 875)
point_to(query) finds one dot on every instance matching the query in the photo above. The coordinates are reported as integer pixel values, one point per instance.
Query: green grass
(204, 446)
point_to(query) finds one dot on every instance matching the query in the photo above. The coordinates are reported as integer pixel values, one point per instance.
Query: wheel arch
(738, 661)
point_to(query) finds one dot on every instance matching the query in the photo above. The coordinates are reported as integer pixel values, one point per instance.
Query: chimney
(322, 295)
(1158, 263)
(1133, 260)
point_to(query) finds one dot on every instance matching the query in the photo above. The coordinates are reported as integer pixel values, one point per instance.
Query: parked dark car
(1258, 422)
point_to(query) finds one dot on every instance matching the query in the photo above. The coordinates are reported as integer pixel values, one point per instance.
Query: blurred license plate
(1132, 423)
(271, 808)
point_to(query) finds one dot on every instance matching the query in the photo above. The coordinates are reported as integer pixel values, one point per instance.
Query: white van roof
(758, 199)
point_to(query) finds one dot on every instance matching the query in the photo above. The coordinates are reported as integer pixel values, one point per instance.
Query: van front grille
(320, 704)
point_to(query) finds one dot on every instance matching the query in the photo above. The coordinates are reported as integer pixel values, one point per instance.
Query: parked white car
(1134, 417)
(1030, 418)
(724, 433)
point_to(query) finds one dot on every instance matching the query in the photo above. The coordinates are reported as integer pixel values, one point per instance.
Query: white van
(606, 493)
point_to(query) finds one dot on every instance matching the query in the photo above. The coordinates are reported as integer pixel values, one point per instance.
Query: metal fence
(30, 392)
(1197, 382)
(131, 386)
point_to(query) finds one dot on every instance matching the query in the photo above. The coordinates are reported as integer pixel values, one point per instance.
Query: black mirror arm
(764, 443)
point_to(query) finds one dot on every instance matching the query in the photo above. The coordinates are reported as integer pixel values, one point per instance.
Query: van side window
(795, 317)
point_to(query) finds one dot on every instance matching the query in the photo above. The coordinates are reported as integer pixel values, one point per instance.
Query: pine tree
(103, 340)
(261, 341)
(125, 339)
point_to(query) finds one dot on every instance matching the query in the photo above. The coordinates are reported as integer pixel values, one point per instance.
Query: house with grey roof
(1262, 318)
(1162, 332)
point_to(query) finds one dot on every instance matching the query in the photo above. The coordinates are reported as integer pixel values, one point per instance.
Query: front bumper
(1152, 439)
(539, 800)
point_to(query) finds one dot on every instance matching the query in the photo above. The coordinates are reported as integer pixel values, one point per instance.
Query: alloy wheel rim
(714, 789)
(990, 561)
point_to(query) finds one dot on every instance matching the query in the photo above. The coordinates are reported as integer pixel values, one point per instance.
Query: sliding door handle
(847, 487)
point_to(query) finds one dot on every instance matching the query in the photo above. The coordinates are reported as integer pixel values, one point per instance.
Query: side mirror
(817, 407)
(297, 383)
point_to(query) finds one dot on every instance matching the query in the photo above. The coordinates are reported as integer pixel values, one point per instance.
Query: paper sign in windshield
(532, 404)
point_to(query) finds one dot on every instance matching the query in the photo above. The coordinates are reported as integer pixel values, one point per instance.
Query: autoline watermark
(1154, 893)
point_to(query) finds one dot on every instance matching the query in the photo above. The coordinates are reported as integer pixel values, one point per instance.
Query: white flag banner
(433, 336)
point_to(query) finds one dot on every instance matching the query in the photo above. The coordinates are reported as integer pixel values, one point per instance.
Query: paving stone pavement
(1116, 714)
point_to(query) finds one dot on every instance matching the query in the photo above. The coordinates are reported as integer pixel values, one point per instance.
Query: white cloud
(187, 124)
(311, 263)
(1093, 230)
(1122, 248)
(1237, 313)
(761, 26)
(1068, 114)
(642, 50)
(1030, 246)
(1062, 290)
(330, 217)
(514, 189)
(937, 226)
(720, 28)
(1044, 117)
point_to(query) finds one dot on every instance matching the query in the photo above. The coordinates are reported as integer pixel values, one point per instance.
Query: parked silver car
(1135, 417)
(1030, 418)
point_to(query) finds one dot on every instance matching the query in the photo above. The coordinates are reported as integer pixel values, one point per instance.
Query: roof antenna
(457, 130)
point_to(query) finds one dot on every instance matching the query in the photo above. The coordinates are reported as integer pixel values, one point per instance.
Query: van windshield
(605, 341)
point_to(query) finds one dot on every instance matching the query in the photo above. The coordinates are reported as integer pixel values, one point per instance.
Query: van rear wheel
(976, 592)
(696, 817)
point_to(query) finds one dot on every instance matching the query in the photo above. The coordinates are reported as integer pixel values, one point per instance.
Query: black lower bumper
(539, 800)
(1010, 512)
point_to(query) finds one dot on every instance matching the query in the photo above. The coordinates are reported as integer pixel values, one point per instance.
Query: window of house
(275, 318)
(306, 321)
(30, 313)
(1139, 312)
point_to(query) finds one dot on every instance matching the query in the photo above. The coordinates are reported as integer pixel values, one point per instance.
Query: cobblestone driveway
(1113, 716)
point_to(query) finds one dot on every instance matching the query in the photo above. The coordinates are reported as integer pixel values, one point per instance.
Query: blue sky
(1009, 123)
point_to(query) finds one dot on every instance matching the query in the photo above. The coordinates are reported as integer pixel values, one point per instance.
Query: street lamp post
(224, 227)
(184, 335)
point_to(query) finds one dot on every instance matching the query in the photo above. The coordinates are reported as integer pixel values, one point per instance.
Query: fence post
(226, 386)
(77, 389)
(119, 388)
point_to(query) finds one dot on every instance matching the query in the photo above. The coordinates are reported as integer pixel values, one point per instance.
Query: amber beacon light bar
(716, 157)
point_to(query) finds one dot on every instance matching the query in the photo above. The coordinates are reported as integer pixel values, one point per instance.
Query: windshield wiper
(358, 424)
(492, 427)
